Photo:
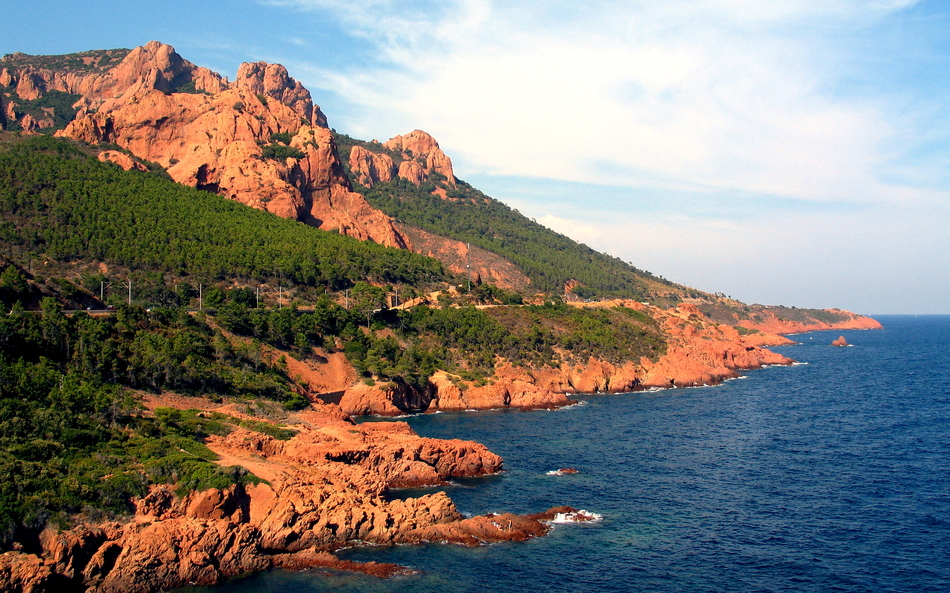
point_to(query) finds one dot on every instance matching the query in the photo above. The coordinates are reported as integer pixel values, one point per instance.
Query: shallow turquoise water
(828, 476)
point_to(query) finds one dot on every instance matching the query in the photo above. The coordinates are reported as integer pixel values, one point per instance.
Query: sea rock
(840, 342)
(327, 489)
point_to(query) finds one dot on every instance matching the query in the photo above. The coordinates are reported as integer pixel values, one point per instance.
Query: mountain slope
(61, 204)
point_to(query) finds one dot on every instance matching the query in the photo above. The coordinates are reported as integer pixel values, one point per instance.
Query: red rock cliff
(327, 489)
(219, 136)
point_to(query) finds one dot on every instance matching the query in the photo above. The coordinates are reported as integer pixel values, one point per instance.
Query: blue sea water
(832, 475)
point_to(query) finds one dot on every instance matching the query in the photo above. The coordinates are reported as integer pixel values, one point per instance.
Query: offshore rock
(840, 342)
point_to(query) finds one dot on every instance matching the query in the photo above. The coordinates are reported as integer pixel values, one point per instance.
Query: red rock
(420, 145)
(371, 168)
(772, 324)
(273, 81)
(121, 159)
(840, 342)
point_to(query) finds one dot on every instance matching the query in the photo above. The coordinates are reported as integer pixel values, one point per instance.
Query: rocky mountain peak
(422, 148)
(274, 82)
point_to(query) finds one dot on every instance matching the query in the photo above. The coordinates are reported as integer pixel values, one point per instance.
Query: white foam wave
(581, 516)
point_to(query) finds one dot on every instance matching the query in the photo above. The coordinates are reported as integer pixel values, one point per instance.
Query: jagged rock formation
(327, 489)
(417, 154)
(218, 136)
(840, 342)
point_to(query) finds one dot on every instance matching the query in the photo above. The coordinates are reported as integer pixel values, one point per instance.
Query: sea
(829, 475)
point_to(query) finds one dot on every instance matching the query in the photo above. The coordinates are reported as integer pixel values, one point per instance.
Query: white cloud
(682, 97)
(675, 94)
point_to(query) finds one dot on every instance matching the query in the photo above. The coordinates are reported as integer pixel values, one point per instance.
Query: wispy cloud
(777, 104)
(703, 93)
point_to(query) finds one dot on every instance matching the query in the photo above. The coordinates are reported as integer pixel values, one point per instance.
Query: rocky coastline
(699, 352)
(326, 487)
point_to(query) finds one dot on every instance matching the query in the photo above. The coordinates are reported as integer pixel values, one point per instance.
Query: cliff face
(698, 352)
(418, 156)
(327, 489)
(771, 323)
(217, 136)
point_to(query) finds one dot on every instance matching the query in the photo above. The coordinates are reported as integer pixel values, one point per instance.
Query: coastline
(326, 487)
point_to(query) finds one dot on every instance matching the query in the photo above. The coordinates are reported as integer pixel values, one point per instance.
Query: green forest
(60, 203)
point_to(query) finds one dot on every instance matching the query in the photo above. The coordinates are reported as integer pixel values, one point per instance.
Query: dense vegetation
(54, 105)
(732, 312)
(72, 439)
(59, 203)
(548, 258)
(88, 61)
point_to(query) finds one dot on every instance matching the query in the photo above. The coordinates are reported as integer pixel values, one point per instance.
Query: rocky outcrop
(370, 168)
(215, 135)
(273, 81)
(154, 66)
(327, 489)
(698, 352)
(121, 159)
(418, 158)
(840, 342)
(217, 143)
(419, 147)
(466, 260)
(770, 322)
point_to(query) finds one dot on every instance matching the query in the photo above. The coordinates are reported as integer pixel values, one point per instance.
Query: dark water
(828, 476)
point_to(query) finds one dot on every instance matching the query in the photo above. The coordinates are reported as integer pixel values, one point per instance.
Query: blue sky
(786, 152)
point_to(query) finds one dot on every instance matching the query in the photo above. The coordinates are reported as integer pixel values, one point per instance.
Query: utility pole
(468, 264)
(102, 290)
(129, 284)
(199, 297)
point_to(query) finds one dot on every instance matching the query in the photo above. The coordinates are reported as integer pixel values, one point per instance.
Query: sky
(780, 152)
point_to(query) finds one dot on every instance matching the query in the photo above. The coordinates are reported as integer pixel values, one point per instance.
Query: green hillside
(61, 204)
(548, 258)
